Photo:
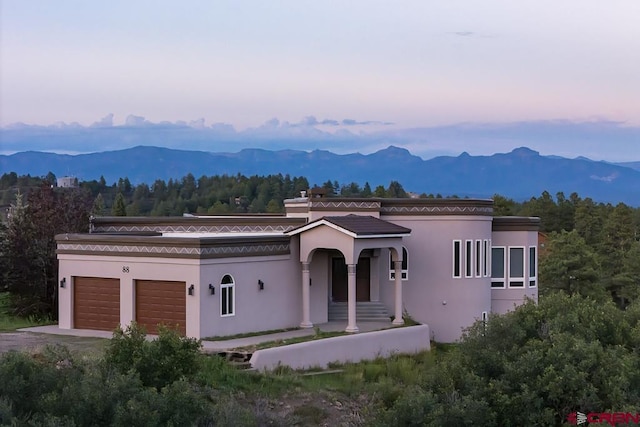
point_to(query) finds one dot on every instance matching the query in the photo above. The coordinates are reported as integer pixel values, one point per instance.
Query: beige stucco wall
(431, 295)
(277, 306)
(350, 348)
(320, 285)
(138, 268)
(325, 237)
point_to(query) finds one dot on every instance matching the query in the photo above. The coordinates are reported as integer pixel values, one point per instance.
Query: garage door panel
(96, 303)
(161, 302)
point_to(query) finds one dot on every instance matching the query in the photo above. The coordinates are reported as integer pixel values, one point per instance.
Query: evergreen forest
(577, 350)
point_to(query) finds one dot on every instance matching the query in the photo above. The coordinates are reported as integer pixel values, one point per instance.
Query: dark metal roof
(365, 225)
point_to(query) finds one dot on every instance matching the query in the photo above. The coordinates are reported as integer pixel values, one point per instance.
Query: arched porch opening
(352, 238)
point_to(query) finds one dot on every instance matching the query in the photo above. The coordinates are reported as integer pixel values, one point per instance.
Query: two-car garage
(97, 304)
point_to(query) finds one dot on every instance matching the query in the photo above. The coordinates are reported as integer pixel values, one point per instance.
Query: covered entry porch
(350, 237)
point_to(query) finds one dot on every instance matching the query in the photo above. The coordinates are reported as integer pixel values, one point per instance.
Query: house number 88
(125, 268)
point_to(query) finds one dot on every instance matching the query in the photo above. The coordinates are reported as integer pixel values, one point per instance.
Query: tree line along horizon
(591, 248)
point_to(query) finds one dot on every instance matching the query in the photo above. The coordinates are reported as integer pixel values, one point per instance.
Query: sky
(343, 75)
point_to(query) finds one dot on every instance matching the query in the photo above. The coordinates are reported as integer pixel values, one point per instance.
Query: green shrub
(24, 380)
(373, 371)
(410, 409)
(160, 362)
(6, 411)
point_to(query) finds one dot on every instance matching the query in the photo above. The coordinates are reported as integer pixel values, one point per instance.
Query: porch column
(306, 316)
(398, 320)
(351, 298)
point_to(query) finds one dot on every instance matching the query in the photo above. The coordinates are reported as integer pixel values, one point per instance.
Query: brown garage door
(96, 303)
(161, 302)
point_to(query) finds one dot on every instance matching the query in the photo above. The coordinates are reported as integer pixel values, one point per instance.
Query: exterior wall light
(191, 289)
(63, 282)
(260, 285)
(212, 289)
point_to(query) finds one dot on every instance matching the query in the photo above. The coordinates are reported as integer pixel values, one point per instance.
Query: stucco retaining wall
(348, 348)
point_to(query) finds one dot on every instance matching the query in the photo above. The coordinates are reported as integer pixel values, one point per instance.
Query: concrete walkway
(222, 345)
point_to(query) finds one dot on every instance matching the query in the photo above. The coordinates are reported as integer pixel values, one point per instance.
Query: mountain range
(520, 174)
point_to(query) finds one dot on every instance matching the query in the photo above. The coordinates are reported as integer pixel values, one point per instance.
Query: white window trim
(461, 257)
(486, 258)
(533, 278)
(468, 259)
(404, 272)
(522, 279)
(478, 258)
(223, 286)
(504, 268)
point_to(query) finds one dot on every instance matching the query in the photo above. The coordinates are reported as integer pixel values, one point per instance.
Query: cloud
(223, 128)
(312, 121)
(105, 122)
(351, 122)
(197, 124)
(136, 121)
(609, 178)
(271, 124)
(309, 121)
(330, 122)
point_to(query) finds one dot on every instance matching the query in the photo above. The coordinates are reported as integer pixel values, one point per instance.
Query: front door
(339, 286)
(363, 273)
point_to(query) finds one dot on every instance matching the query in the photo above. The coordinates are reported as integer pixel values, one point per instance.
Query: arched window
(405, 265)
(227, 296)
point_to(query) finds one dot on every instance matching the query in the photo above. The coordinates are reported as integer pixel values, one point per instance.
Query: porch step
(365, 310)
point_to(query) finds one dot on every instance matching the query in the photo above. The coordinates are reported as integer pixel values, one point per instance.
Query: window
(227, 296)
(516, 267)
(405, 265)
(532, 267)
(478, 258)
(468, 265)
(497, 267)
(485, 318)
(457, 258)
(486, 258)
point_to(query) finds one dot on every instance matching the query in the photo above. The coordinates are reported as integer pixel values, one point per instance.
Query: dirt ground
(29, 341)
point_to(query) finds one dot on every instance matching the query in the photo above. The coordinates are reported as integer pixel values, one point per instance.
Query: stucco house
(444, 262)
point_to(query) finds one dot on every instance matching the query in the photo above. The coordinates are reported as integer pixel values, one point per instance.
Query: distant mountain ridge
(520, 174)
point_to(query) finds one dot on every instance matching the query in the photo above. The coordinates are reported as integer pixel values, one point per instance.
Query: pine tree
(98, 205)
(119, 208)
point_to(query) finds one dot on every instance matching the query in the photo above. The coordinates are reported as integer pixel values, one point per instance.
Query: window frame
(229, 296)
(533, 267)
(457, 263)
(405, 266)
(486, 258)
(504, 269)
(478, 258)
(468, 259)
(517, 279)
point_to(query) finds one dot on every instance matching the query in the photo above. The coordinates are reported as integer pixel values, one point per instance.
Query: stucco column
(351, 298)
(398, 320)
(306, 315)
